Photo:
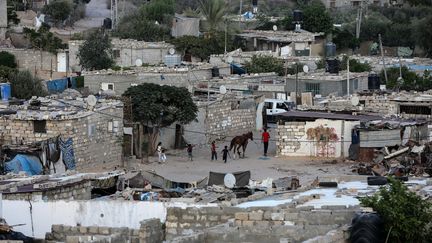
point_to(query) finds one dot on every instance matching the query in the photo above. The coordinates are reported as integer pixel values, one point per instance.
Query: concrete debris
(412, 160)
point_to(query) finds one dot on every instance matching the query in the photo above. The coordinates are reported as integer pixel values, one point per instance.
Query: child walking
(189, 151)
(213, 151)
(225, 154)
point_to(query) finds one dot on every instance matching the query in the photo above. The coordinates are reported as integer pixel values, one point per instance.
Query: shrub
(406, 215)
(7, 59)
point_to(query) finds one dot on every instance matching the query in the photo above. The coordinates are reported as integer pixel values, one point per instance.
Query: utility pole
(382, 56)
(359, 19)
(296, 84)
(225, 52)
(348, 77)
(240, 13)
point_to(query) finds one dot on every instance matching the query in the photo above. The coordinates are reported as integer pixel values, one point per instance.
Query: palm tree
(214, 12)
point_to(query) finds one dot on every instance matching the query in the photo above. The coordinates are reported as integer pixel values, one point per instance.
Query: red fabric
(213, 147)
(265, 136)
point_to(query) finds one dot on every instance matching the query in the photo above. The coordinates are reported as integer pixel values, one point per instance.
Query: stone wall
(379, 104)
(283, 223)
(33, 60)
(227, 118)
(288, 135)
(77, 191)
(182, 221)
(150, 232)
(101, 150)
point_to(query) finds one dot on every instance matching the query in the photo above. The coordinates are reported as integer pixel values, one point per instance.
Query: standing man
(265, 139)
(213, 151)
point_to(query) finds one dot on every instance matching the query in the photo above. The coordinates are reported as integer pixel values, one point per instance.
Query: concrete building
(3, 19)
(284, 43)
(126, 52)
(183, 25)
(119, 81)
(94, 134)
(317, 134)
(323, 84)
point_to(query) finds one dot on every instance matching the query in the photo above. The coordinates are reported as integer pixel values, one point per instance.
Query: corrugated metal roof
(326, 115)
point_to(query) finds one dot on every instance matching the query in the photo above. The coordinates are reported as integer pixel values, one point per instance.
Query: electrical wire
(226, 138)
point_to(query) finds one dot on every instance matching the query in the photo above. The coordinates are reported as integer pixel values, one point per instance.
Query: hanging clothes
(67, 150)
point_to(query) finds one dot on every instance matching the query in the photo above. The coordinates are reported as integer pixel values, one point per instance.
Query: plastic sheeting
(27, 163)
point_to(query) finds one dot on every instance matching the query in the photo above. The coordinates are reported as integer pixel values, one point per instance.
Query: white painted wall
(86, 213)
(109, 213)
(343, 131)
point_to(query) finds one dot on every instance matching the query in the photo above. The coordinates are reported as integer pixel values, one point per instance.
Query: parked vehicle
(275, 106)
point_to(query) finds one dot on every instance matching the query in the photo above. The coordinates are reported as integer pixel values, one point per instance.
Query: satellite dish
(91, 100)
(138, 62)
(222, 89)
(305, 69)
(171, 51)
(355, 101)
(274, 27)
(230, 59)
(229, 180)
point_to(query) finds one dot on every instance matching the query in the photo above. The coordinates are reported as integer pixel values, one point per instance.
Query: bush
(24, 85)
(7, 59)
(265, 64)
(406, 215)
(95, 53)
(58, 10)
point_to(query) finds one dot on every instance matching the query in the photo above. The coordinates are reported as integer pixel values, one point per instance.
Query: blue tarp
(27, 163)
(57, 86)
(237, 69)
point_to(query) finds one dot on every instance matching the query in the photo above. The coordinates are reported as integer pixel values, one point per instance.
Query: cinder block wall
(103, 150)
(78, 191)
(150, 232)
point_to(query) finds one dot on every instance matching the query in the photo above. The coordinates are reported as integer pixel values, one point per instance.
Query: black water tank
(215, 72)
(298, 16)
(374, 81)
(330, 49)
(332, 65)
(107, 23)
(254, 2)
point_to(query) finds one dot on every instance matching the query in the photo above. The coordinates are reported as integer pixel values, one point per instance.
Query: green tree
(24, 85)
(343, 38)
(406, 215)
(410, 79)
(43, 39)
(156, 106)
(7, 59)
(354, 65)
(265, 64)
(95, 53)
(214, 12)
(143, 22)
(58, 10)
(372, 26)
(424, 35)
(143, 29)
(203, 47)
(316, 18)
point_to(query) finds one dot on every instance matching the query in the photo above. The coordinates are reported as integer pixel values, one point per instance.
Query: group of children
(225, 152)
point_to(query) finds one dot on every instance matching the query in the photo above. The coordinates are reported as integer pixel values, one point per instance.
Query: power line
(225, 137)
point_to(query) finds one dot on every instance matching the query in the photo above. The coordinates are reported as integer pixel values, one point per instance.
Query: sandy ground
(179, 168)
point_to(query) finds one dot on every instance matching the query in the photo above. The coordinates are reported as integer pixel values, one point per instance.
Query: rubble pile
(411, 159)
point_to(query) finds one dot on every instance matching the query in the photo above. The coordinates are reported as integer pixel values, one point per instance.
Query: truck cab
(274, 107)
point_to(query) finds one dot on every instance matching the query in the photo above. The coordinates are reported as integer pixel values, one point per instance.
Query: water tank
(332, 65)
(172, 60)
(298, 16)
(215, 72)
(330, 49)
(374, 81)
(5, 90)
(254, 2)
(107, 23)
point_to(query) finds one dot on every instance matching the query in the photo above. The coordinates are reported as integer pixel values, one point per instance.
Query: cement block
(248, 223)
(256, 216)
(277, 216)
(241, 216)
